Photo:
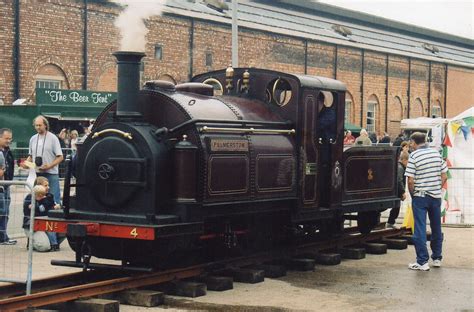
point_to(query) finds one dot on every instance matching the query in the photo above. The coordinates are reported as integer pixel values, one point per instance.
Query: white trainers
(419, 267)
(437, 263)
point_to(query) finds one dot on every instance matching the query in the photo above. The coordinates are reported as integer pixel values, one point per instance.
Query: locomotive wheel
(367, 221)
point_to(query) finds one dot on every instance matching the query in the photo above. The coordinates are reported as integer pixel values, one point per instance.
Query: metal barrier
(460, 199)
(12, 256)
(22, 153)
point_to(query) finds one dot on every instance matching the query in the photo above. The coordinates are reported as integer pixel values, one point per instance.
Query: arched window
(372, 111)
(348, 116)
(416, 109)
(395, 116)
(51, 76)
(436, 109)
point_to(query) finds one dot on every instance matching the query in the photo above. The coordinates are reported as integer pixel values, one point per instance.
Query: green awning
(353, 128)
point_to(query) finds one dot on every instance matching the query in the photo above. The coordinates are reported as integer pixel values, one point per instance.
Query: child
(44, 203)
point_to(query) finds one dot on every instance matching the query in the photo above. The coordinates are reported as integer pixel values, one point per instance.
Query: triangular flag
(469, 121)
(465, 131)
(447, 141)
(444, 153)
(448, 163)
(455, 127)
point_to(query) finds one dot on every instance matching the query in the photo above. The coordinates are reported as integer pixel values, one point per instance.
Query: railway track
(93, 283)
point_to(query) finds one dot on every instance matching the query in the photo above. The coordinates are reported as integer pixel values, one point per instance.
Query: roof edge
(352, 15)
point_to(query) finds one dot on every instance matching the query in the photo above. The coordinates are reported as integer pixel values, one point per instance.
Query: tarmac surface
(376, 283)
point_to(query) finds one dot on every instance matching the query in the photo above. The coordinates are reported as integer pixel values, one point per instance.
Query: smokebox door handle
(126, 135)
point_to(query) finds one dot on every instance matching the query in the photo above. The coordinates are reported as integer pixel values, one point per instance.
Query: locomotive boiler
(237, 159)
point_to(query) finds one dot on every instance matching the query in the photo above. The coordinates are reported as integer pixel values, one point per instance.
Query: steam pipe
(128, 83)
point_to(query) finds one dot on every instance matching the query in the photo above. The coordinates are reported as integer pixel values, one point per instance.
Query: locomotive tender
(236, 159)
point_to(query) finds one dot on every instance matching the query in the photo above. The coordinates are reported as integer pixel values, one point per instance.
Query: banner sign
(71, 97)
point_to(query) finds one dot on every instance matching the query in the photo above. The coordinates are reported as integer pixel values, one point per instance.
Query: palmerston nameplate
(219, 145)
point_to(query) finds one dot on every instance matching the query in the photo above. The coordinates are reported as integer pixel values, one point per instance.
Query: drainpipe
(362, 90)
(445, 90)
(84, 47)
(16, 51)
(306, 57)
(191, 47)
(335, 62)
(429, 89)
(235, 34)
(386, 94)
(409, 88)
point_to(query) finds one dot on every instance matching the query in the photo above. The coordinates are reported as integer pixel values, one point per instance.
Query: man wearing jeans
(6, 173)
(426, 172)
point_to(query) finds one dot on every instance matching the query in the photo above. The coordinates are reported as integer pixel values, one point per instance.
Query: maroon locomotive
(236, 159)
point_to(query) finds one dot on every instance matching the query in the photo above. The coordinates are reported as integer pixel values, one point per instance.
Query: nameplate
(229, 145)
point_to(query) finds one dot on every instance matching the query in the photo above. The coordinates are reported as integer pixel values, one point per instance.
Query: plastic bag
(408, 220)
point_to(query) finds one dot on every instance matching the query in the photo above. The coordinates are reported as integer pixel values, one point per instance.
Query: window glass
(48, 84)
(371, 106)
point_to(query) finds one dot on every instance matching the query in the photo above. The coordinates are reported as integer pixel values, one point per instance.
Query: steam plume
(131, 22)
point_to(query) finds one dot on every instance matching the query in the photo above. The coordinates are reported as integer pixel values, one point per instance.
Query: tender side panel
(369, 173)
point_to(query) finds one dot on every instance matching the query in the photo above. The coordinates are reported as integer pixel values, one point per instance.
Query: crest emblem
(370, 174)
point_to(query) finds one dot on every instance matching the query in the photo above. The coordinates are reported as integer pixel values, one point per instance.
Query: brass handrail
(126, 135)
(247, 130)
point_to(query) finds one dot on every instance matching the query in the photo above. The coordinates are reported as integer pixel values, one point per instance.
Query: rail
(67, 293)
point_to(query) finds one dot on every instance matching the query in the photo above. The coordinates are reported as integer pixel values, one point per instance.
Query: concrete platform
(376, 283)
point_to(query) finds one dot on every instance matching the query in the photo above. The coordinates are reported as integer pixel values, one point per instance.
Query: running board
(100, 266)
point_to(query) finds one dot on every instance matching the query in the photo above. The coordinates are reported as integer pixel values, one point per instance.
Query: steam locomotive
(237, 159)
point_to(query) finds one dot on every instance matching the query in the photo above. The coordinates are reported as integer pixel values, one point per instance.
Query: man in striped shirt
(426, 172)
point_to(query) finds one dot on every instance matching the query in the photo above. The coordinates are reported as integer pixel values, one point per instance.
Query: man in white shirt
(45, 151)
(426, 172)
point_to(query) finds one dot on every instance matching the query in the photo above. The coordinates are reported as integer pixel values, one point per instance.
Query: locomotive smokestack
(128, 83)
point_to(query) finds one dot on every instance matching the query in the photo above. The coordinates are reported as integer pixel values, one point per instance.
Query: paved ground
(379, 282)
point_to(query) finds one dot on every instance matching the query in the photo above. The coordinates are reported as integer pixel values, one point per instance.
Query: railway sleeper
(137, 297)
(217, 283)
(182, 288)
(375, 248)
(354, 253)
(244, 275)
(393, 243)
(271, 270)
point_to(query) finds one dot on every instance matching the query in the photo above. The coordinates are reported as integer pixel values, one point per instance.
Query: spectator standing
(426, 172)
(373, 138)
(73, 141)
(401, 183)
(6, 173)
(45, 151)
(349, 138)
(405, 146)
(385, 139)
(398, 140)
(363, 138)
(63, 138)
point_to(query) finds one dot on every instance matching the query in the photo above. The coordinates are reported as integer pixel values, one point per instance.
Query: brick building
(392, 70)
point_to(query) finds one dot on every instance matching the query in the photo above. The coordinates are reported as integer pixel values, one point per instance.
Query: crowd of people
(366, 138)
(45, 153)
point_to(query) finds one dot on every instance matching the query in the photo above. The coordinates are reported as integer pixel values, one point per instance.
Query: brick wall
(52, 35)
(460, 90)
(6, 51)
